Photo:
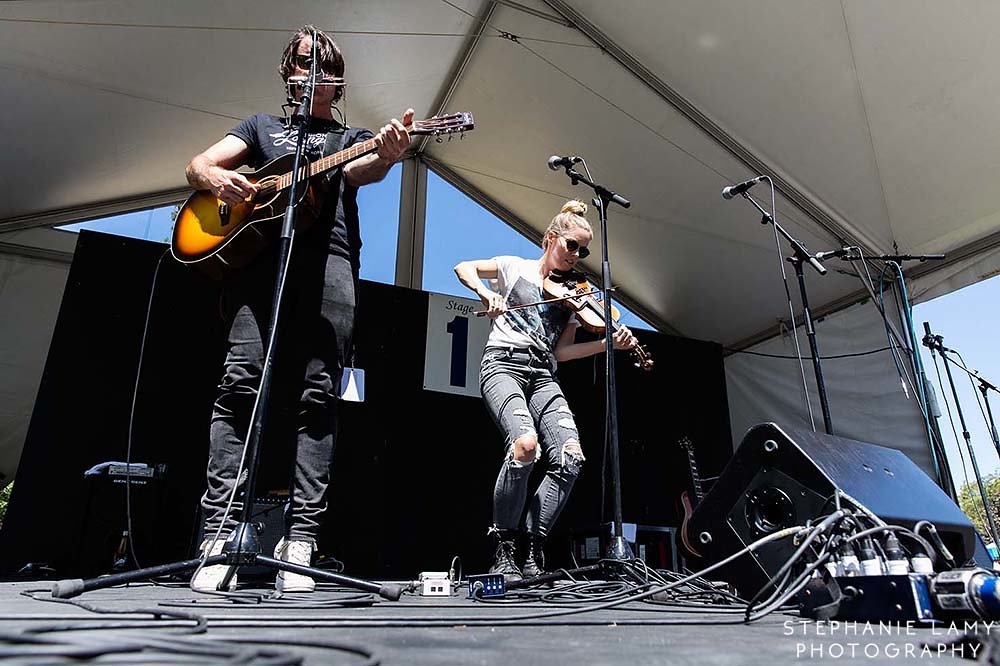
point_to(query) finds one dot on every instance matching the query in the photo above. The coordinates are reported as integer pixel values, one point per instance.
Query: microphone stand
(984, 386)
(243, 547)
(800, 256)
(920, 376)
(922, 386)
(936, 343)
(618, 549)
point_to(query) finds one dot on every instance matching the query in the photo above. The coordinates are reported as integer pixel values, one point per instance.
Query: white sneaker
(208, 579)
(296, 552)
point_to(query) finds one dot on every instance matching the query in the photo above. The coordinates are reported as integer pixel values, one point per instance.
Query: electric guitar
(218, 237)
(699, 494)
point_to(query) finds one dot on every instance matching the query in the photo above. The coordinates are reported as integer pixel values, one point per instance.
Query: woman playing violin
(520, 389)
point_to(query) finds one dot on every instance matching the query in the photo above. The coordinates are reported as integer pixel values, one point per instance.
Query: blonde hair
(570, 215)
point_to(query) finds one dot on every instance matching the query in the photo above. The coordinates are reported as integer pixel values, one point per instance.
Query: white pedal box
(435, 584)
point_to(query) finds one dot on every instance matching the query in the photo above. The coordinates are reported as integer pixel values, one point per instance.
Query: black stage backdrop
(413, 471)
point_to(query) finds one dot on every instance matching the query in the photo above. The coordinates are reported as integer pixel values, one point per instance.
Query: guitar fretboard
(693, 465)
(329, 162)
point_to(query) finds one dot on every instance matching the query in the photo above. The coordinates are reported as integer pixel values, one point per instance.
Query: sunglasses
(574, 246)
(304, 62)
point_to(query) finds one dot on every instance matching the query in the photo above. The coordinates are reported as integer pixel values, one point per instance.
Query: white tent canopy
(875, 119)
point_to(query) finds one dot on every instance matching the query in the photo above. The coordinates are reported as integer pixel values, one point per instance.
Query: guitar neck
(695, 478)
(342, 157)
(696, 482)
(330, 162)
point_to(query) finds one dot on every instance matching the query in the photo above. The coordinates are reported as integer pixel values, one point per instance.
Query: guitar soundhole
(267, 193)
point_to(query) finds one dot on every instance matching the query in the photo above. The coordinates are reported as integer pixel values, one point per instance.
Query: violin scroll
(580, 295)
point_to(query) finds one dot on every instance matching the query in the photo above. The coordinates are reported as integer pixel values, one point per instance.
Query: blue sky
(968, 321)
(458, 228)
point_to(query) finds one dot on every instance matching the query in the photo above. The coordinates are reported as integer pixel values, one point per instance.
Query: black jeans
(313, 341)
(524, 398)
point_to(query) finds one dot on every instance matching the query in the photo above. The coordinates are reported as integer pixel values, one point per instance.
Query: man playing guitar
(319, 301)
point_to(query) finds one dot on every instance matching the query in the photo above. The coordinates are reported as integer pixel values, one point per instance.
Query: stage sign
(455, 341)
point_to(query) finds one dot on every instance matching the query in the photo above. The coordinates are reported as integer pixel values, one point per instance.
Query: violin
(575, 292)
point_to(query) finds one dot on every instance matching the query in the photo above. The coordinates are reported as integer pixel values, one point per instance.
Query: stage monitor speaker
(782, 478)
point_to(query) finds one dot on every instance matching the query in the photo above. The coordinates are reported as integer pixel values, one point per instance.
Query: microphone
(300, 81)
(733, 190)
(566, 161)
(842, 252)
(932, 341)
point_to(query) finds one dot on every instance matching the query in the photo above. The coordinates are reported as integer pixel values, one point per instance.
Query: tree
(971, 503)
(4, 501)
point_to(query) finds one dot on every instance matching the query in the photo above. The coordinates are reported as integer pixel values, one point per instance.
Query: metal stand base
(242, 551)
(619, 549)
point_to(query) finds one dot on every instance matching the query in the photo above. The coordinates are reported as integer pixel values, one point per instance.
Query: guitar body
(688, 510)
(699, 493)
(219, 238)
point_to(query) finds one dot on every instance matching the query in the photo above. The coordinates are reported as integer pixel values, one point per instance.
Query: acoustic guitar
(218, 238)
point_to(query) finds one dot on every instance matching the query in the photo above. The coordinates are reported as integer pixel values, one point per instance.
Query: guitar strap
(334, 144)
(352, 380)
(316, 198)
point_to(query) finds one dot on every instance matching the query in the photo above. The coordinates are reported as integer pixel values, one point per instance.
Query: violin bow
(482, 313)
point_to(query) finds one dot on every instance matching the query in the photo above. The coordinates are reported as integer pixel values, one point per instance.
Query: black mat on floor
(336, 626)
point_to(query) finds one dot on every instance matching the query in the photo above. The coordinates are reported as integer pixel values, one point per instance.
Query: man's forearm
(367, 170)
(197, 172)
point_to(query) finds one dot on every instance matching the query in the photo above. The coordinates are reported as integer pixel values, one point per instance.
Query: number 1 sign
(455, 341)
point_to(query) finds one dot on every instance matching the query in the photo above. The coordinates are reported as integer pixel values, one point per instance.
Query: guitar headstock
(686, 444)
(439, 126)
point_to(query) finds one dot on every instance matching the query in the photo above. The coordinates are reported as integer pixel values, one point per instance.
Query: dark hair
(330, 58)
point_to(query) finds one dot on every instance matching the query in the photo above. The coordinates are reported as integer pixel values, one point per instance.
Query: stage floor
(433, 631)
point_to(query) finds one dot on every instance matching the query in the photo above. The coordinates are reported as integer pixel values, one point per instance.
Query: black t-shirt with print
(270, 137)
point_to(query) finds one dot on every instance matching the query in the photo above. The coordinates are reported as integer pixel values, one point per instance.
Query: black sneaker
(534, 563)
(503, 559)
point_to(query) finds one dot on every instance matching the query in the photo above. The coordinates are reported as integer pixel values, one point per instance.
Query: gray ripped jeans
(528, 406)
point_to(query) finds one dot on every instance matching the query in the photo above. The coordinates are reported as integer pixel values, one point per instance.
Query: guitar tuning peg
(438, 139)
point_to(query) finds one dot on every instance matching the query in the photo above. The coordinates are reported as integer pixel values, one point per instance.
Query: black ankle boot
(503, 558)
(534, 563)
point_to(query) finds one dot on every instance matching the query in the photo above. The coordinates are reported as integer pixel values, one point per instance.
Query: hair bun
(575, 207)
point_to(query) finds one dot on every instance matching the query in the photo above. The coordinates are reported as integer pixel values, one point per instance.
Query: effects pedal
(487, 585)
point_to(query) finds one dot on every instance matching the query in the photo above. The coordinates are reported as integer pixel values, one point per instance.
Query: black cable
(954, 433)
(285, 602)
(199, 627)
(131, 416)
(824, 358)
(828, 522)
(40, 645)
